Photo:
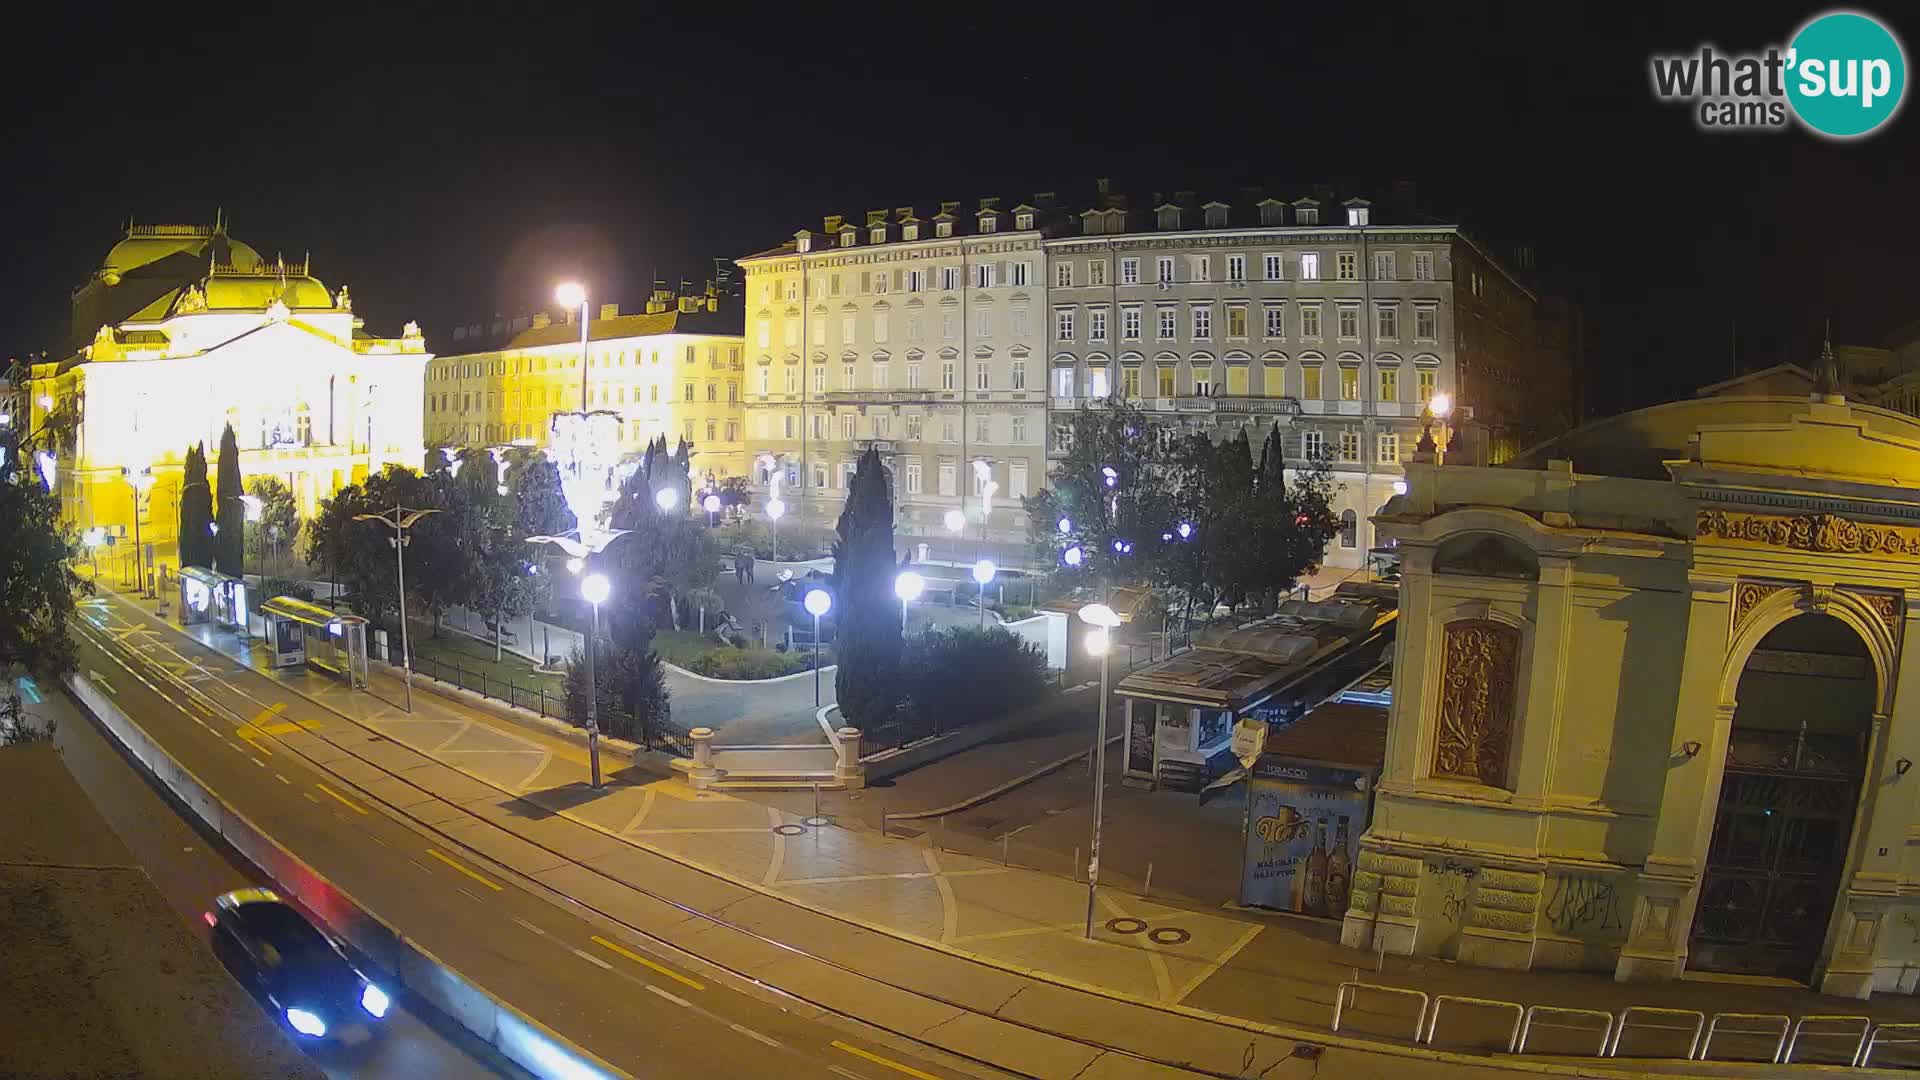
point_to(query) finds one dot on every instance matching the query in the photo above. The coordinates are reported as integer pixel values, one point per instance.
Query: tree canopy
(37, 583)
(229, 543)
(866, 612)
(196, 511)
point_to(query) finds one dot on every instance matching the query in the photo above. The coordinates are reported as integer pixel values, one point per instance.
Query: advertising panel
(1303, 829)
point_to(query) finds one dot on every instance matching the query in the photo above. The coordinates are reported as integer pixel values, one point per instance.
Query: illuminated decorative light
(775, 508)
(1185, 529)
(574, 566)
(818, 602)
(984, 570)
(586, 448)
(595, 588)
(1098, 643)
(1065, 526)
(5, 418)
(909, 586)
(213, 528)
(955, 520)
(711, 503)
(46, 401)
(1073, 556)
(1166, 537)
(1399, 487)
(375, 1001)
(1112, 477)
(666, 499)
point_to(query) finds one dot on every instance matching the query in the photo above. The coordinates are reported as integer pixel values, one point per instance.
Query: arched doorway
(1795, 759)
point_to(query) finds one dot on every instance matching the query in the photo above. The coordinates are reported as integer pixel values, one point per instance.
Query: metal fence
(535, 696)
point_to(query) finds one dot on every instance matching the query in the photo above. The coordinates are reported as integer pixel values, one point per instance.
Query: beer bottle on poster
(1316, 871)
(1339, 872)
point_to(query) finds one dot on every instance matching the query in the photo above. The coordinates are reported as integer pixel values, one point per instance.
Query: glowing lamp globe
(570, 294)
(775, 508)
(1097, 643)
(1073, 556)
(1065, 526)
(1441, 405)
(909, 586)
(818, 602)
(711, 503)
(666, 498)
(595, 588)
(1099, 615)
(955, 521)
(984, 570)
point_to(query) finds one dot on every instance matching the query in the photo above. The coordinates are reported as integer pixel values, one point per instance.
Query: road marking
(102, 680)
(592, 959)
(470, 894)
(342, 799)
(643, 961)
(675, 998)
(849, 1075)
(282, 779)
(424, 868)
(308, 795)
(379, 841)
(752, 1034)
(258, 762)
(463, 870)
(529, 926)
(878, 1060)
(1208, 969)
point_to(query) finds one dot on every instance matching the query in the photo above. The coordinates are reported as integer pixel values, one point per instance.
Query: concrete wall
(522, 1039)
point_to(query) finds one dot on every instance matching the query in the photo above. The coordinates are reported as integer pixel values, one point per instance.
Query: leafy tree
(229, 544)
(196, 511)
(279, 524)
(958, 676)
(667, 555)
(496, 560)
(1130, 508)
(630, 692)
(866, 612)
(37, 585)
(735, 497)
(540, 506)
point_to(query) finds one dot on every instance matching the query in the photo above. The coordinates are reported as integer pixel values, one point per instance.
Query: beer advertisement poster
(1303, 833)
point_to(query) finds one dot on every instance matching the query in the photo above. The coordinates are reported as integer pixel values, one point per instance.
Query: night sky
(449, 168)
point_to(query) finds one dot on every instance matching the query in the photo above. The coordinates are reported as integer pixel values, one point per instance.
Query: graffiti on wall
(1584, 905)
(1452, 884)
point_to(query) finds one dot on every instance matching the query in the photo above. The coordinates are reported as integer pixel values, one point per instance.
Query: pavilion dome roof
(145, 245)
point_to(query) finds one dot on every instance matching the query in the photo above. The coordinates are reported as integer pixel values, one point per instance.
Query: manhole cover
(790, 830)
(1168, 935)
(1125, 925)
(816, 822)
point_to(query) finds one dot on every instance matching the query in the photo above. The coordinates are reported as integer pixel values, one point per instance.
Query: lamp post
(142, 481)
(908, 587)
(574, 294)
(594, 589)
(983, 572)
(400, 519)
(711, 504)
(956, 523)
(1099, 643)
(818, 603)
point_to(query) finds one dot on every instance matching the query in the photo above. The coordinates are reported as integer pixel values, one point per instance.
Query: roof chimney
(609, 311)
(833, 222)
(541, 320)
(1102, 186)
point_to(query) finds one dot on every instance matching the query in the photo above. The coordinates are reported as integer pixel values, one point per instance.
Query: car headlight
(306, 1023)
(375, 1001)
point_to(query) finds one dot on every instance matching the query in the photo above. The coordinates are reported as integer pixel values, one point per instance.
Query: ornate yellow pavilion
(183, 330)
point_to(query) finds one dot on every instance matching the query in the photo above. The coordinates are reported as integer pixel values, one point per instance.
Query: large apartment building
(974, 335)
(922, 337)
(673, 369)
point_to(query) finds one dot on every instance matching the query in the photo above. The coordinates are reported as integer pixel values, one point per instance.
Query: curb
(677, 669)
(513, 714)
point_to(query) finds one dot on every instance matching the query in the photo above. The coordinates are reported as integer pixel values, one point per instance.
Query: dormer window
(1272, 213)
(989, 223)
(804, 243)
(1169, 217)
(910, 232)
(879, 235)
(943, 228)
(1307, 215)
(1216, 216)
(849, 238)
(1357, 215)
(1023, 222)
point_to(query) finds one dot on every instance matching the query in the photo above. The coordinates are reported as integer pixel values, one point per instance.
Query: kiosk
(299, 632)
(210, 597)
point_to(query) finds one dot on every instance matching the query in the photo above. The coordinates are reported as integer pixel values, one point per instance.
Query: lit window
(1236, 321)
(1309, 266)
(1389, 384)
(1349, 445)
(1202, 267)
(1349, 384)
(1389, 449)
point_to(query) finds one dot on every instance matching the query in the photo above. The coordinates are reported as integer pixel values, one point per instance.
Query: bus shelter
(210, 597)
(303, 633)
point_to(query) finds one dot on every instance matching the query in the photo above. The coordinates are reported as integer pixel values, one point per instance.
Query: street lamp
(400, 519)
(908, 587)
(142, 481)
(1099, 643)
(818, 602)
(573, 294)
(956, 522)
(594, 589)
(711, 504)
(983, 572)
(666, 499)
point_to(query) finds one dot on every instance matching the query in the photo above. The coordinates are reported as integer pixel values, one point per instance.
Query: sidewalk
(939, 923)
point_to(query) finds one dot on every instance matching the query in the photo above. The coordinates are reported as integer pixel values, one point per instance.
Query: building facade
(1652, 705)
(674, 369)
(199, 332)
(1308, 313)
(920, 337)
(962, 343)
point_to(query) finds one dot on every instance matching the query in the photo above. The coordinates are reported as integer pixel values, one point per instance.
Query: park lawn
(685, 648)
(476, 659)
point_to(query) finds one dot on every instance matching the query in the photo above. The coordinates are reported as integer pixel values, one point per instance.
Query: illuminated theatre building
(183, 330)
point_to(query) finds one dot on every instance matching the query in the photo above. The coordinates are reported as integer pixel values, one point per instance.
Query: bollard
(1148, 890)
(703, 771)
(1076, 862)
(1003, 849)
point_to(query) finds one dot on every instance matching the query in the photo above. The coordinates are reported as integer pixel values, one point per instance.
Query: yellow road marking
(342, 799)
(288, 728)
(878, 1060)
(463, 870)
(638, 959)
(274, 709)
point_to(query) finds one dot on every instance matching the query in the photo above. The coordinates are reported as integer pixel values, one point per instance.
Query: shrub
(747, 663)
(629, 689)
(959, 676)
(756, 536)
(280, 586)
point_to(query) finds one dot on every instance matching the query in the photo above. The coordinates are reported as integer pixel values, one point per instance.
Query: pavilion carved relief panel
(1479, 670)
(1747, 596)
(1823, 533)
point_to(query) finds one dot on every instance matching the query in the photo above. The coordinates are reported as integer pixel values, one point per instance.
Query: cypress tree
(230, 543)
(196, 510)
(866, 613)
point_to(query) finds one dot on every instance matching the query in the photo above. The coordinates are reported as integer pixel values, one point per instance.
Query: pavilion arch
(1787, 602)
